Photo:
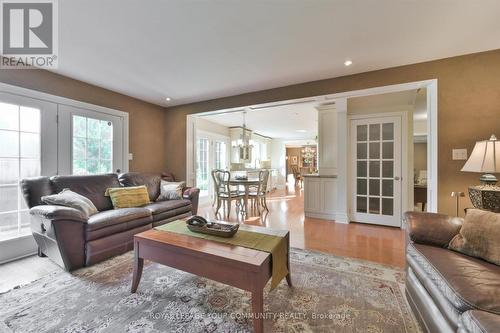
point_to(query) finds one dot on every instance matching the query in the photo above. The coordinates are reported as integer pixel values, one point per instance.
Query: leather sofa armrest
(431, 228)
(479, 321)
(192, 194)
(55, 213)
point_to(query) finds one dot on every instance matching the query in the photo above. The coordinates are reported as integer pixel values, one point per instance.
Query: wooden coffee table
(236, 266)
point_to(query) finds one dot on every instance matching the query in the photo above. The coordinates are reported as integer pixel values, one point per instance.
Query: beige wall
(419, 157)
(468, 103)
(146, 121)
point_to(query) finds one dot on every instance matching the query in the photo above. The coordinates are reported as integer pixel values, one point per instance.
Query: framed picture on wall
(294, 160)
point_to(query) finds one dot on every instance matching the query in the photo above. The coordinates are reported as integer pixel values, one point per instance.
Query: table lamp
(485, 158)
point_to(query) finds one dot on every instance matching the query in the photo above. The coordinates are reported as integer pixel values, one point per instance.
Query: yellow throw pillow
(126, 197)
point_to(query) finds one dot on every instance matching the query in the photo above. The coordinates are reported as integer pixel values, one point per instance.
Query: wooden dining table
(246, 183)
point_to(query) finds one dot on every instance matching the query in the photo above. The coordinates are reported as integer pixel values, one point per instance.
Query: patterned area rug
(330, 294)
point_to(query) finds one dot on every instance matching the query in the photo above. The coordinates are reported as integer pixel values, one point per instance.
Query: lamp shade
(485, 157)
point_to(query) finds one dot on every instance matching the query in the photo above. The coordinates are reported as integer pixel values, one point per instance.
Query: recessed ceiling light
(347, 63)
(301, 130)
(168, 99)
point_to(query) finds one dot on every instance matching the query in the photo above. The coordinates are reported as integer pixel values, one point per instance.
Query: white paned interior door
(376, 169)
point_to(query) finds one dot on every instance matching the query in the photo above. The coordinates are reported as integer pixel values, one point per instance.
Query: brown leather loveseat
(73, 241)
(448, 291)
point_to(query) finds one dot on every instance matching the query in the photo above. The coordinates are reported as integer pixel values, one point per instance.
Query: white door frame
(340, 99)
(404, 158)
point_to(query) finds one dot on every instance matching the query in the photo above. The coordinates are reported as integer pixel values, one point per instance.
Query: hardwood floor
(380, 244)
(368, 242)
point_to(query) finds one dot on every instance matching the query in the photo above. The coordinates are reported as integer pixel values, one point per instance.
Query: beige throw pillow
(479, 236)
(170, 190)
(71, 199)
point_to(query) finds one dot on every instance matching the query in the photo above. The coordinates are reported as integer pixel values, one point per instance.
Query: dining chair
(296, 175)
(259, 195)
(223, 191)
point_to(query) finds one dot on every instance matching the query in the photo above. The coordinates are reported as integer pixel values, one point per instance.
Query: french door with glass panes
(211, 153)
(28, 148)
(376, 165)
(94, 141)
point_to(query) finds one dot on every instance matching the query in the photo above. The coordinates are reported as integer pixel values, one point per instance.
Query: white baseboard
(337, 217)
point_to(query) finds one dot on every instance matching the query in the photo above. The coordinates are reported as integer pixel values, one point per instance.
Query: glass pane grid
(92, 145)
(375, 167)
(19, 158)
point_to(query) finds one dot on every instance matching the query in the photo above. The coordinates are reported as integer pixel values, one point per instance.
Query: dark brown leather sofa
(448, 291)
(73, 241)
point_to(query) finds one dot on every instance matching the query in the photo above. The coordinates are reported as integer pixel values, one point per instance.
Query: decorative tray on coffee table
(216, 228)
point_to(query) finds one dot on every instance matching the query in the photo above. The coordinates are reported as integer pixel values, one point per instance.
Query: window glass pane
(388, 169)
(362, 132)
(19, 159)
(387, 150)
(374, 187)
(79, 126)
(9, 116)
(93, 148)
(30, 167)
(387, 206)
(30, 119)
(361, 169)
(106, 149)
(79, 166)
(9, 146)
(79, 148)
(361, 204)
(8, 225)
(387, 187)
(361, 151)
(30, 145)
(374, 132)
(374, 150)
(388, 131)
(106, 130)
(92, 166)
(105, 166)
(93, 128)
(361, 187)
(8, 198)
(9, 171)
(374, 205)
(24, 218)
(375, 169)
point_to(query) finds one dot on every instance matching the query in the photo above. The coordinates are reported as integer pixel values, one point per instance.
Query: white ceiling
(279, 122)
(196, 50)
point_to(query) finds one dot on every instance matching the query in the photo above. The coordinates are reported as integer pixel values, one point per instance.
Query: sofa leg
(40, 253)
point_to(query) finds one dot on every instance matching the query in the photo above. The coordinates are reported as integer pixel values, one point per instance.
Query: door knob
(118, 171)
(396, 178)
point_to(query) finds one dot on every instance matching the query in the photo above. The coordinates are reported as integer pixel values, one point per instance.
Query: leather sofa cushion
(117, 216)
(466, 282)
(163, 210)
(479, 322)
(92, 187)
(111, 222)
(151, 180)
(164, 206)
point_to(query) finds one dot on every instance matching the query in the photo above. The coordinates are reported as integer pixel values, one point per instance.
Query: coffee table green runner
(250, 239)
